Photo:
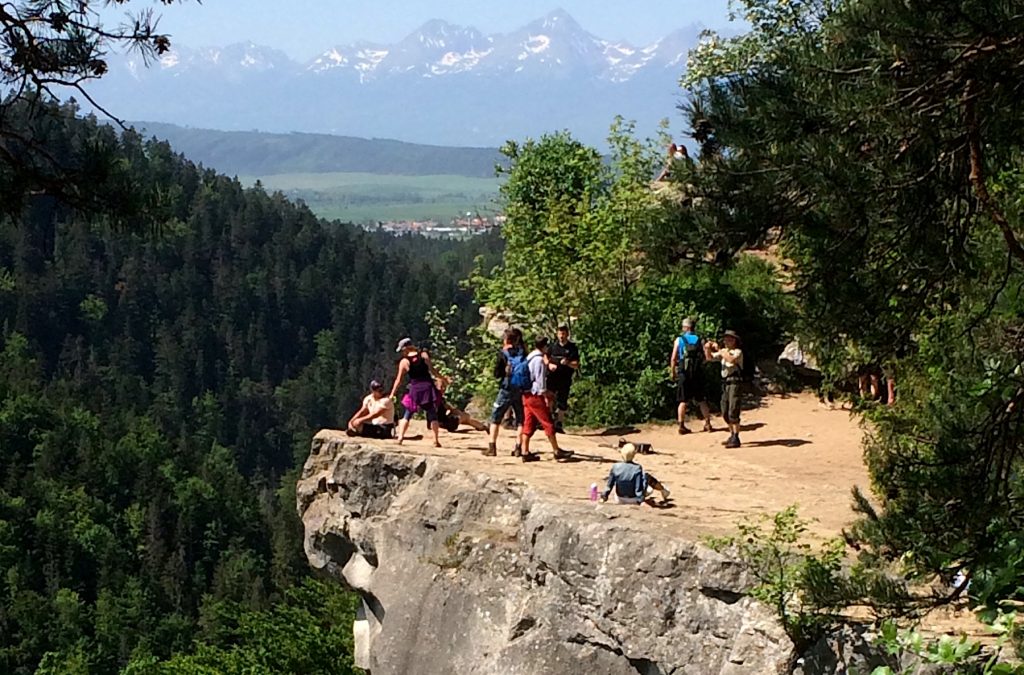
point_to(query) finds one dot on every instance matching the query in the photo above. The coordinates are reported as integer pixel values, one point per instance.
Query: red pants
(536, 411)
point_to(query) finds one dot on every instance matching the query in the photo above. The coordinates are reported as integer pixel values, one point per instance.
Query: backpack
(689, 354)
(518, 369)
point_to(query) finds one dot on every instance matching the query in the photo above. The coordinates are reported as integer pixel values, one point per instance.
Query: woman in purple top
(422, 394)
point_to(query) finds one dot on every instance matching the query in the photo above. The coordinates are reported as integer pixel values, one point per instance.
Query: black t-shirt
(557, 352)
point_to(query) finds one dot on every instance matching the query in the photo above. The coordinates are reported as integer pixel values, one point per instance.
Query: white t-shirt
(380, 405)
(730, 369)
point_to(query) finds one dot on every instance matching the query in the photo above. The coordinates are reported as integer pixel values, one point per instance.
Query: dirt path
(793, 452)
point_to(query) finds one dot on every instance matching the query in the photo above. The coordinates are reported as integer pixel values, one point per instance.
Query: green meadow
(369, 197)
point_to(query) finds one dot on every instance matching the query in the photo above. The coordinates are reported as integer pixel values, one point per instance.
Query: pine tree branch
(977, 176)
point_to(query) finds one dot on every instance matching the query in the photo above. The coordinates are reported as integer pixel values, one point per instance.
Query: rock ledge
(465, 573)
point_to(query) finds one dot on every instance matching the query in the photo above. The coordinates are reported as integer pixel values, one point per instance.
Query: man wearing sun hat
(376, 418)
(731, 356)
(627, 482)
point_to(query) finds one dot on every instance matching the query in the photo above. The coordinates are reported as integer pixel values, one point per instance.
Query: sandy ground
(794, 451)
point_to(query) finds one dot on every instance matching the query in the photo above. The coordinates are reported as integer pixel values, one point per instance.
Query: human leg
(731, 412)
(655, 484)
(682, 399)
(403, 426)
(537, 413)
(502, 403)
(561, 407)
(705, 411)
(434, 425)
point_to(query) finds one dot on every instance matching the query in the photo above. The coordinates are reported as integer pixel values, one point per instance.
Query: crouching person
(376, 419)
(628, 483)
(449, 416)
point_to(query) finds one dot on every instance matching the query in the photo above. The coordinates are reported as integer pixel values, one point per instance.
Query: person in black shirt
(563, 362)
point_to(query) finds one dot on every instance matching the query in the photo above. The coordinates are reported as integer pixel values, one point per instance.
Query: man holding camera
(563, 362)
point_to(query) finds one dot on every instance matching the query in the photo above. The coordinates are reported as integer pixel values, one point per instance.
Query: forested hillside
(257, 153)
(162, 374)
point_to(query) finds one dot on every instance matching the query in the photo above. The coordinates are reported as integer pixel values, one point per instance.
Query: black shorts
(690, 390)
(731, 401)
(379, 431)
(560, 388)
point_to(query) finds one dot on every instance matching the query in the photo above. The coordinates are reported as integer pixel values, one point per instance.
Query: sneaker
(683, 430)
(665, 492)
(517, 451)
(733, 442)
(559, 429)
(530, 457)
(707, 425)
(491, 451)
(563, 454)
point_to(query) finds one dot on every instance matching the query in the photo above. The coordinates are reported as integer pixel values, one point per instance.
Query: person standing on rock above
(687, 365)
(731, 357)
(511, 354)
(376, 418)
(564, 361)
(531, 378)
(628, 482)
(422, 394)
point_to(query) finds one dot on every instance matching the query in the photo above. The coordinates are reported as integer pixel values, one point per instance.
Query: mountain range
(443, 84)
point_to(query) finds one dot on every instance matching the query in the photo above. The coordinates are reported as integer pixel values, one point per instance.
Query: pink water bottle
(593, 492)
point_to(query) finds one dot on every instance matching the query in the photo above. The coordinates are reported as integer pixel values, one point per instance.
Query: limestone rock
(465, 573)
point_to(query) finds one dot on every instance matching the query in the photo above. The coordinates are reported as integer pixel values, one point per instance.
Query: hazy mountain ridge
(259, 154)
(443, 84)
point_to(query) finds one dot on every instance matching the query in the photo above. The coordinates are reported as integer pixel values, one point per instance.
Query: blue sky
(303, 28)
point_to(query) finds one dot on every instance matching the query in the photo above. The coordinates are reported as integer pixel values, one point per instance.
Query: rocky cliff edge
(462, 572)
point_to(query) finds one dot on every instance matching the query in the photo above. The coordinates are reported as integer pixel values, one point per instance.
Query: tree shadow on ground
(721, 429)
(777, 443)
(612, 431)
(582, 457)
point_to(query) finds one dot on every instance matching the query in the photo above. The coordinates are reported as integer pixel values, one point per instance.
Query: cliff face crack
(580, 639)
(722, 594)
(522, 627)
(641, 665)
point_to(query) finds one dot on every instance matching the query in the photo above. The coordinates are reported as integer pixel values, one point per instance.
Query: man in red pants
(535, 405)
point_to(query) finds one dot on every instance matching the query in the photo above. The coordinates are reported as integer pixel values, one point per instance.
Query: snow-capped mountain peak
(442, 83)
(554, 43)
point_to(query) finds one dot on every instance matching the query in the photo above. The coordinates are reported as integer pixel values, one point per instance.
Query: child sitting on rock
(628, 482)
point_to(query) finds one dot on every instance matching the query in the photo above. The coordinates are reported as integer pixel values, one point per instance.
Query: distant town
(463, 226)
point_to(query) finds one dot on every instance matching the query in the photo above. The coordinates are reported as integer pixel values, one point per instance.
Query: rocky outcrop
(464, 573)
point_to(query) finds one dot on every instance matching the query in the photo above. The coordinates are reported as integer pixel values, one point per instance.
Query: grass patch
(367, 197)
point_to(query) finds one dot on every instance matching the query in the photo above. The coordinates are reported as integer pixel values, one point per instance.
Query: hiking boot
(559, 429)
(563, 454)
(665, 492)
(707, 425)
(491, 451)
(683, 430)
(733, 442)
(517, 451)
(530, 457)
